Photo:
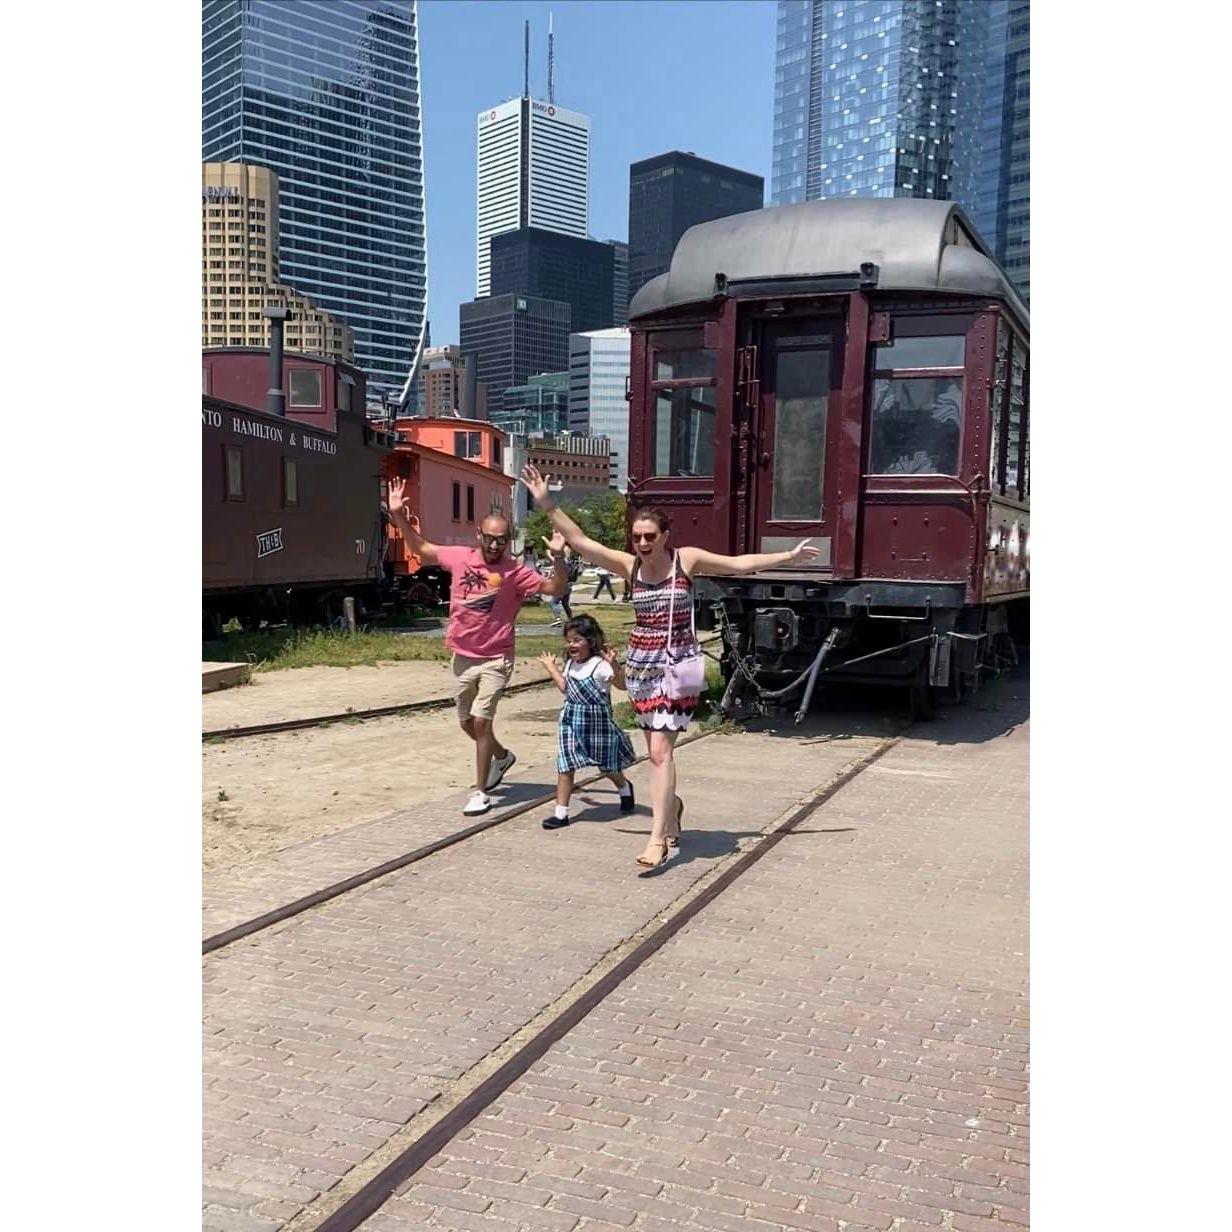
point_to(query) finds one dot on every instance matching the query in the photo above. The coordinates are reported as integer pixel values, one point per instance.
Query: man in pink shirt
(487, 591)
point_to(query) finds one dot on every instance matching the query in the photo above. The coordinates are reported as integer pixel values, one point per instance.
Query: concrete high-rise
(546, 264)
(598, 373)
(908, 98)
(672, 192)
(327, 96)
(513, 337)
(533, 171)
(239, 269)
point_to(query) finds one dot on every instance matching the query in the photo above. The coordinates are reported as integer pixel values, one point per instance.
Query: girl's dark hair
(587, 628)
(657, 516)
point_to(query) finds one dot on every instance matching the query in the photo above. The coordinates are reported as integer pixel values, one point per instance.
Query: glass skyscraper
(907, 98)
(326, 94)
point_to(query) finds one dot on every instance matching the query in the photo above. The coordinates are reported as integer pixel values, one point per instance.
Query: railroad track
(297, 907)
(375, 712)
(367, 1188)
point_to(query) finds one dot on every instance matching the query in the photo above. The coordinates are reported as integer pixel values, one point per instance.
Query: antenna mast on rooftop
(526, 61)
(551, 62)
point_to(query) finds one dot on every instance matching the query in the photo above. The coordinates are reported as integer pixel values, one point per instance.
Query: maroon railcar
(854, 372)
(291, 518)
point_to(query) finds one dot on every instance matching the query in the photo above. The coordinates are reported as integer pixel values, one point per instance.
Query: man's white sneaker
(498, 768)
(479, 802)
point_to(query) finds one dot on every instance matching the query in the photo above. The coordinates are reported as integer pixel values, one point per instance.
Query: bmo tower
(534, 171)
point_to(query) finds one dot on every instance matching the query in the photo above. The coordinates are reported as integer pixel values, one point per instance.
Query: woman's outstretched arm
(618, 562)
(693, 560)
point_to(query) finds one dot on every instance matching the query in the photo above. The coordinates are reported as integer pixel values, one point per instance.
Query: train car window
(470, 502)
(305, 387)
(916, 425)
(685, 365)
(943, 351)
(801, 399)
(684, 431)
(234, 468)
(1017, 419)
(457, 502)
(496, 451)
(290, 483)
(467, 444)
(344, 394)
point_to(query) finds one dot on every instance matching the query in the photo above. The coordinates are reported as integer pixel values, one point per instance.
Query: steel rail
(371, 1197)
(317, 897)
(376, 712)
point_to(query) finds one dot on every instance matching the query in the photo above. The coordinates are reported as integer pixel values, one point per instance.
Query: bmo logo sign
(544, 109)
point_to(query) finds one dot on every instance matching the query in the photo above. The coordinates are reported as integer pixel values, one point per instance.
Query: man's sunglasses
(497, 541)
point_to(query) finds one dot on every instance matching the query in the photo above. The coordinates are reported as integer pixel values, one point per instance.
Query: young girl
(587, 734)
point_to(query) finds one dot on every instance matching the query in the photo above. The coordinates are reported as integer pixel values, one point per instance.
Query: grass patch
(277, 649)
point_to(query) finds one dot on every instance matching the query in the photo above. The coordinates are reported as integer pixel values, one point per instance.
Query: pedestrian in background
(604, 581)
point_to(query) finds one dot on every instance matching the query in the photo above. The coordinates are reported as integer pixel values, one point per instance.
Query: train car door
(796, 434)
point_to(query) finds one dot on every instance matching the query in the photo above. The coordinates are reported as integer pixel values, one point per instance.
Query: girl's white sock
(626, 789)
(562, 811)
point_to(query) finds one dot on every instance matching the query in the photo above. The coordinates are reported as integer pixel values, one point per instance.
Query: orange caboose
(454, 476)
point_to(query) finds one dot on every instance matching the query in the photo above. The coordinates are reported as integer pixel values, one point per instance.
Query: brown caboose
(290, 487)
(854, 372)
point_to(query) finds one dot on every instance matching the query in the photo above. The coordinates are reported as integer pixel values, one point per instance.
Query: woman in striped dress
(662, 585)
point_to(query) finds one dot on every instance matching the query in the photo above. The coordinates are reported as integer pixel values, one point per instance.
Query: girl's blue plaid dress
(587, 734)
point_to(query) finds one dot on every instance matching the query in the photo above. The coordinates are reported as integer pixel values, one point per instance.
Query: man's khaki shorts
(478, 685)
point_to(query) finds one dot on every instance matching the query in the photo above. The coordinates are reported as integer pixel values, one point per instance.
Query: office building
(620, 282)
(327, 97)
(598, 378)
(538, 408)
(581, 465)
(531, 261)
(533, 171)
(513, 337)
(442, 380)
(239, 269)
(672, 192)
(908, 98)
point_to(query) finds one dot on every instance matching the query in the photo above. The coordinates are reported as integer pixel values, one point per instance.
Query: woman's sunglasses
(649, 536)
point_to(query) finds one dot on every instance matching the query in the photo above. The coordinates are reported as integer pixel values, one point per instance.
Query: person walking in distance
(487, 591)
(604, 580)
(664, 668)
(587, 733)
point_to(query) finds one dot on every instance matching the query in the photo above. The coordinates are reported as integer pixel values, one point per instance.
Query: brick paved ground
(328, 1033)
(838, 1042)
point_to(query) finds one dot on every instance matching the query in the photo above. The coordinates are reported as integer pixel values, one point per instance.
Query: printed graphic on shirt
(479, 589)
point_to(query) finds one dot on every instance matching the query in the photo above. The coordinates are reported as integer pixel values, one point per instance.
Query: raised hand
(549, 661)
(610, 655)
(803, 551)
(556, 544)
(536, 483)
(397, 502)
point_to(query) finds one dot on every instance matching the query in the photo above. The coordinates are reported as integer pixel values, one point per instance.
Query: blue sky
(653, 75)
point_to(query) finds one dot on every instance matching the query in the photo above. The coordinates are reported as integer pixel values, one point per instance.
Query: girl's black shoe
(554, 822)
(626, 802)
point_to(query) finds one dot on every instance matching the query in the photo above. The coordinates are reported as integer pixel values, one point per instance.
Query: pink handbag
(684, 677)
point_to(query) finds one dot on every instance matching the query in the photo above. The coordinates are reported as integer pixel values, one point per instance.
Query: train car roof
(916, 244)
